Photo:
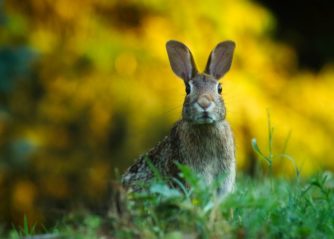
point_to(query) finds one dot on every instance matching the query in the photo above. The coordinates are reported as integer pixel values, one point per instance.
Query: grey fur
(202, 139)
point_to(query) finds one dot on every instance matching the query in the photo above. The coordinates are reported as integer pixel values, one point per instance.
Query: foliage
(258, 208)
(85, 87)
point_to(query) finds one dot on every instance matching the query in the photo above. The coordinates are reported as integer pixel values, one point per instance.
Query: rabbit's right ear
(220, 59)
(181, 60)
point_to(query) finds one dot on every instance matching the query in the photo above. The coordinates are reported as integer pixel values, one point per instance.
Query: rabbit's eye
(187, 89)
(219, 88)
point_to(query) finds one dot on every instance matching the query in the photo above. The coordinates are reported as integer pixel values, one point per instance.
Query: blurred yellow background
(86, 87)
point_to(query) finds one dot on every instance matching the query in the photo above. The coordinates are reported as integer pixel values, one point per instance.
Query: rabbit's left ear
(220, 59)
(181, 60)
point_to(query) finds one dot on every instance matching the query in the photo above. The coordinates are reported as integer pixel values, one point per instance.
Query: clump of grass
(259, 208)
(271, 156)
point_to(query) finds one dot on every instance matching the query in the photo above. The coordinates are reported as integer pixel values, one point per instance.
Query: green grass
(264, 207)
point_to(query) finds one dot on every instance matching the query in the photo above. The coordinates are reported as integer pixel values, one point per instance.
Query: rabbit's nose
(204, 102)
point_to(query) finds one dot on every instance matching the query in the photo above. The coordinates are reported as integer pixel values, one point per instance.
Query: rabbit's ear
(220, 59)
(181, 60)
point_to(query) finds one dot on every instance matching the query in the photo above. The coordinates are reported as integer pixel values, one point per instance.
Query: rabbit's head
(203, 103)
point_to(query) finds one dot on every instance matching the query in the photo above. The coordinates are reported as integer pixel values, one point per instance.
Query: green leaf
(257, 149)
(164, 190)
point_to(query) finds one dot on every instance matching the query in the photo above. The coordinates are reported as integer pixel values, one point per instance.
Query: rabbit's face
(203, 103)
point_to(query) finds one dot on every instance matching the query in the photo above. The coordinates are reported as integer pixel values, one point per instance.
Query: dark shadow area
(308, 27)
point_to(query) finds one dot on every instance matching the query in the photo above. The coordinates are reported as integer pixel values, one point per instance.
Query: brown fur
(202, 139)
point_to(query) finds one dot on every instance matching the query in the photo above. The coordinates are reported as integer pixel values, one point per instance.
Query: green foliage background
(86, 87)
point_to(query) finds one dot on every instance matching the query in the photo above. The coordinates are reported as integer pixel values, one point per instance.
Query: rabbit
(202, 139)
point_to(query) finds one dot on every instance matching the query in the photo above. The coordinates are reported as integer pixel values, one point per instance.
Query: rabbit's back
(159, 160)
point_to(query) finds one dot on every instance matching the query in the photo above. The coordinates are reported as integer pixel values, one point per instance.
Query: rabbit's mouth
(205, 118)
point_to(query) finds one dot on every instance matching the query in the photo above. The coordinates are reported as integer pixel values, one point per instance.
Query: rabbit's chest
(207, 150)
(208, 162)
(210, 170)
